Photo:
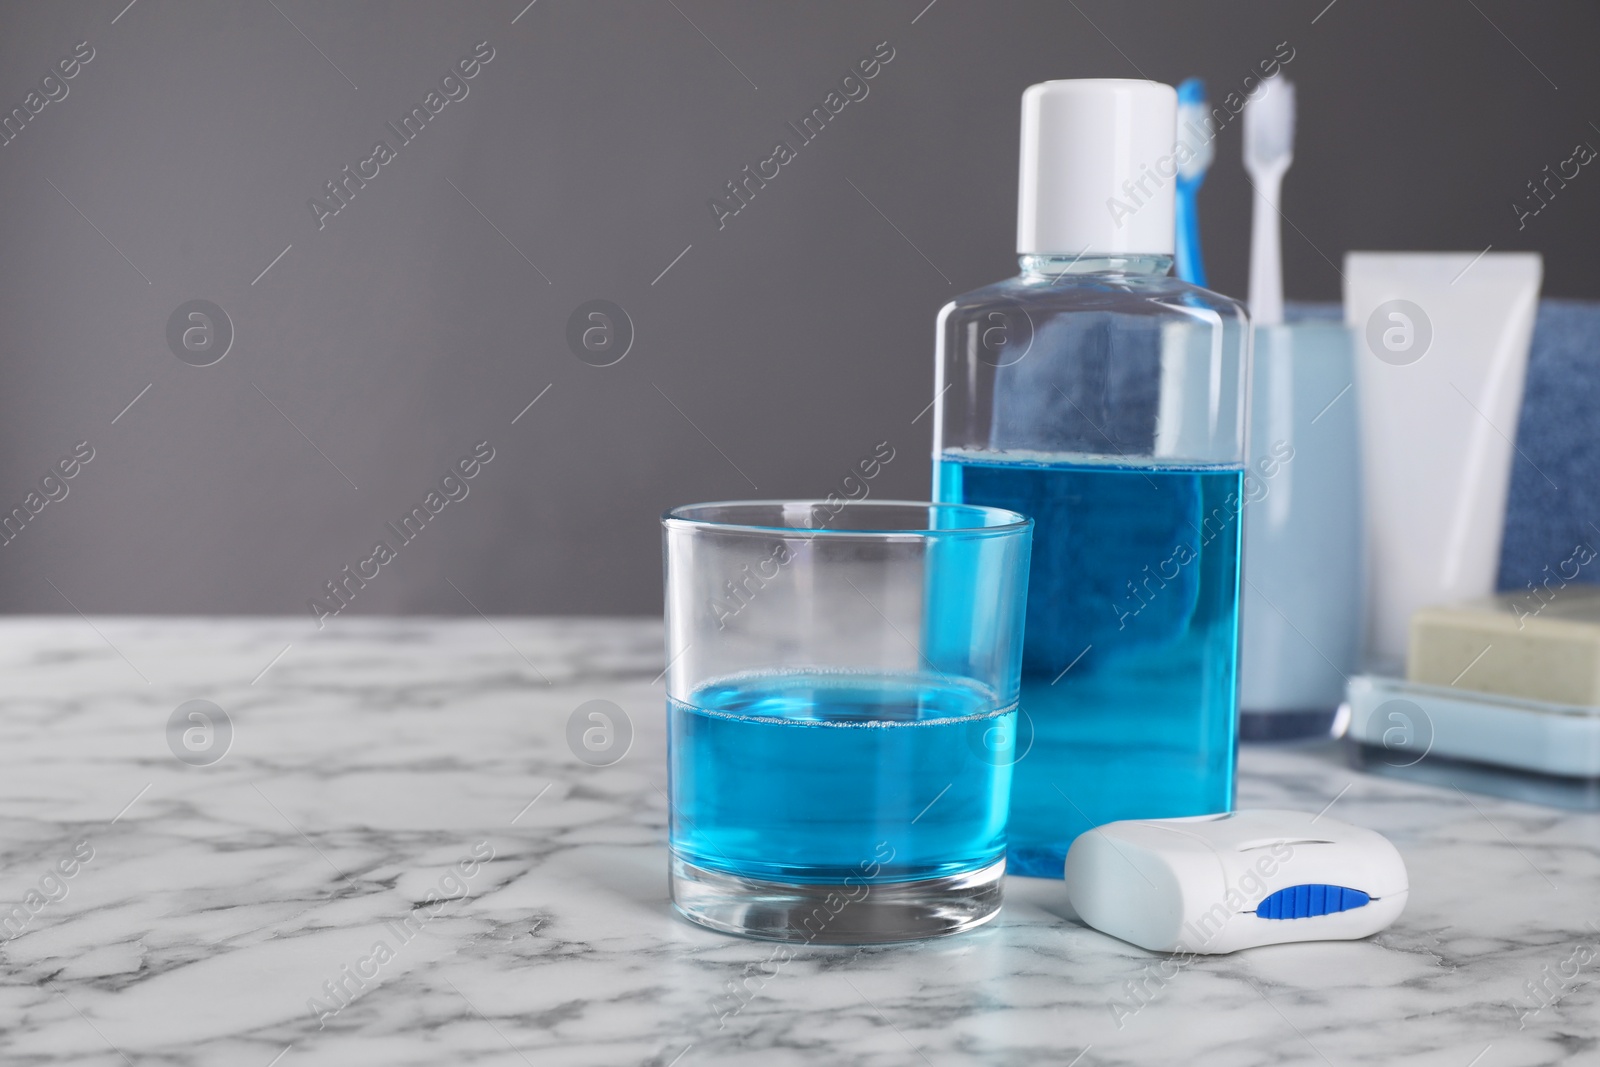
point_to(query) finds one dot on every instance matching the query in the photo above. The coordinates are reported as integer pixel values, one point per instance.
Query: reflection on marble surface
(409, 783)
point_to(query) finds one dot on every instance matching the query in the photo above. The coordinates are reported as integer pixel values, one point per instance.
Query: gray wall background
(768, 359)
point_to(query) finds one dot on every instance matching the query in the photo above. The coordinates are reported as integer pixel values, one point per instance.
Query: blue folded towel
(1554, 506)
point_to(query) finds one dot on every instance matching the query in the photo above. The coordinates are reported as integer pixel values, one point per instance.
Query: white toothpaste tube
(1441, 350)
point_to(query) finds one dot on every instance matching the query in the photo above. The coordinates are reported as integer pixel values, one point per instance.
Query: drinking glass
(842, 714)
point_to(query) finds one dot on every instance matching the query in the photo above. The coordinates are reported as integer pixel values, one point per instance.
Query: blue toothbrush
(1195, 133)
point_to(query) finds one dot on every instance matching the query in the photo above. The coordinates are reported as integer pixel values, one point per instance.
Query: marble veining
(409, 783)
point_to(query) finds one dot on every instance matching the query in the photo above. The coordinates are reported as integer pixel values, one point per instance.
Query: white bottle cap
(1099, 163)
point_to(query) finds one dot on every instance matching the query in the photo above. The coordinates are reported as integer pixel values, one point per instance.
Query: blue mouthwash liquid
(804, 777)
(1128, 660)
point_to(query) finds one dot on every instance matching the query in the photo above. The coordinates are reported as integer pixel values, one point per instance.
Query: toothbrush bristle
(1195, 133)
(1269, 123)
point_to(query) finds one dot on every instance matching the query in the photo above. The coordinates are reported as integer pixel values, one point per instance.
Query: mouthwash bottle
(1106, 399)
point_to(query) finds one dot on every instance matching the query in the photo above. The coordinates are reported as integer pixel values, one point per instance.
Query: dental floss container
(1220, 883)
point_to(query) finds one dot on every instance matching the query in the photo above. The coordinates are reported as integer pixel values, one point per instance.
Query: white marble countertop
(373, 762)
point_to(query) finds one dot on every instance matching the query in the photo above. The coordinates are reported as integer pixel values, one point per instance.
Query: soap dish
(1527, 750)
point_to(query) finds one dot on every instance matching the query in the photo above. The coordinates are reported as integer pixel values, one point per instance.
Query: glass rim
(1008, 522)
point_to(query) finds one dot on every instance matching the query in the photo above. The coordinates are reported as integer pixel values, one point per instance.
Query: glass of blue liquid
(842, 702)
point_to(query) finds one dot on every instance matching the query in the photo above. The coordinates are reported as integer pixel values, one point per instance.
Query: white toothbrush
(1268, 151)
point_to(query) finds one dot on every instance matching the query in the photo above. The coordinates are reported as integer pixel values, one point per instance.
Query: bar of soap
(1517, 645)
